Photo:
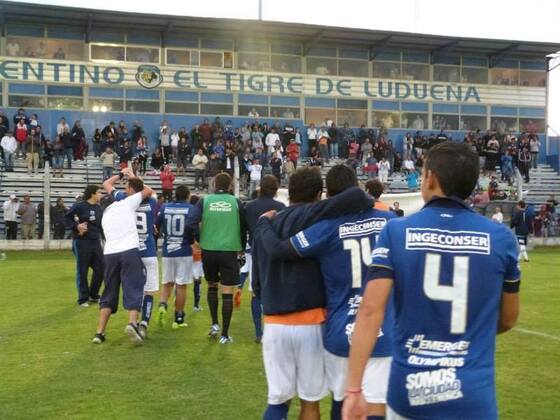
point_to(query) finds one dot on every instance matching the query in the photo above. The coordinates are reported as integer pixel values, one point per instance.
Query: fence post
(47, 206)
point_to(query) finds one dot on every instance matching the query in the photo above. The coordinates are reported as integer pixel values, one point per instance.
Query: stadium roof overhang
(236, 29)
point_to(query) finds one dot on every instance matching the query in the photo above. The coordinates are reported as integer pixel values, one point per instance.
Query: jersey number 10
(456, 293)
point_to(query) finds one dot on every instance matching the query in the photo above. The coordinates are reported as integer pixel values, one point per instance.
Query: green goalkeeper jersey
(221, 227)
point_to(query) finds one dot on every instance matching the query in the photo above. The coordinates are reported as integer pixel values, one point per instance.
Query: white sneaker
(214, 330)
(84, 305)
(197, 308)
(226, 340)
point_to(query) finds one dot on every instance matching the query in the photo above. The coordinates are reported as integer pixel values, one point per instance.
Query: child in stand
(412, 181)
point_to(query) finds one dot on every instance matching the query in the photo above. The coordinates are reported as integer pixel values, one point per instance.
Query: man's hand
(128, 172)
(354, 407)
(82, 228)
(271, 214)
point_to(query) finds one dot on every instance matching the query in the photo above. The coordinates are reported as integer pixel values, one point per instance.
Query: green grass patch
(50, 369)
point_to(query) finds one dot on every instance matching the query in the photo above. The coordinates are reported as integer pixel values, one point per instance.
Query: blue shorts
(124, 268)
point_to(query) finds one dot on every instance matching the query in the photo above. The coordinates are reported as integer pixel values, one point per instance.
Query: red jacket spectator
(293, 151)
(167, 177)
(21, 132)
(205, 131)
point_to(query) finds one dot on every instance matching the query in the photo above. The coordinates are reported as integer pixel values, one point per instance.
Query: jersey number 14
(360, 251)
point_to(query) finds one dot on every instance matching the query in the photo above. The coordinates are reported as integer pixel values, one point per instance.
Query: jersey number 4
(360, 251)
(457, 293)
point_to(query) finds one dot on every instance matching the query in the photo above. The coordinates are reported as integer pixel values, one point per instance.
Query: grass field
(50, 369)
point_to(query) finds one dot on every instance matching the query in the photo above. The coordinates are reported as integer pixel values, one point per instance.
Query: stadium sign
(224, 80)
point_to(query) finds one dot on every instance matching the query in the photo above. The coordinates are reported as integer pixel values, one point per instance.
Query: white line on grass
(540, 334)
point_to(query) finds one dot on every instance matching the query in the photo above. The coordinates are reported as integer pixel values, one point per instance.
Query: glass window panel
(181, 108)
(509, 77)
(142, 54)
(354, 118)
(211, 59)
(20, 101)
(65, 49)
(532, 78)
(503, 124)
(353, 68)
(414, 120)
(107, 52)
(446, 74)
(386, 70)
(284, 112)
(216, 109)
(321, 66)
(228, 60)
(106, 105)
(244, 110)
(179, 57)
(445, 122)
(474, 75)
(531, 125)
(473, 122)
(252, 61)
(318, 116)
(142, 106)
(67, 102)
(26, 47)
(416, 71)
(286, 63)
(385, 119)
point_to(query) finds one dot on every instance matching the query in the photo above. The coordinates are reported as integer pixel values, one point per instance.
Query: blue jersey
(450, 267)
(343, 247)
(178, 237)
(144, 223)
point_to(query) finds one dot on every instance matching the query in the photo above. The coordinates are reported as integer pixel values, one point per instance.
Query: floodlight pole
(260, 9)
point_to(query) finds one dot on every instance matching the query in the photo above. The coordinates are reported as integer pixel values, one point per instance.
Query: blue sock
(336, 410)
(147, 304)
(197, 292)
(375, 417)
(242, 278)
(256, 312)
(276, 412)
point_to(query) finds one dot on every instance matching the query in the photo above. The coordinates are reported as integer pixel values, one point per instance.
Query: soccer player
(148, 250)
(222, 236)
(455, 283)
(177, 254)
(123, 265)
(293, 297)
(343, 248)
(197, 270)
(85, 217)
(253, 210)
(521, 222)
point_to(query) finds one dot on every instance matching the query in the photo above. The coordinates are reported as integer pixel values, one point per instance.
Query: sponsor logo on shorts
(448, 241)
(222, 206)
(433, 386)
(361, 227)
(302, 240)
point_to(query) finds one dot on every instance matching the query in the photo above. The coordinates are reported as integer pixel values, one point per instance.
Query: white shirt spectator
(10, 210)
(323, 133)
(13, 49)
(408, 165)
(312, 133)
(253, 114)
(175, 139)
(199, 161)
(270, 141)
(9, 143)
(119, 225)
(384, 166)
(60, 128)
(498, 217)
(256, 171)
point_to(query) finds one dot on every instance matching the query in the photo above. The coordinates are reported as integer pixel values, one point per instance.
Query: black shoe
(132, 331)
(98, 338)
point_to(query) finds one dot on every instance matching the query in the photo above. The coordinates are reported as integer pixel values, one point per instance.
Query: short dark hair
(194, 199)
(339, 178)
(374, 187)
(136, 184)
(90, 190)
(269, 186)
(182, 193)
(521, 204)
(305, 185)
(223, 182)
(456, 167)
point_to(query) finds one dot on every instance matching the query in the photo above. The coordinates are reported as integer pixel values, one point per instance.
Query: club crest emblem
(149, 76)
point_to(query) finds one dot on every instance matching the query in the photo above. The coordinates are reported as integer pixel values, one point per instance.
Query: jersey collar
(447, 202)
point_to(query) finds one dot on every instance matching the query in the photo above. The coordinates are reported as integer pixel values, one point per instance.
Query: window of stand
(106, 105)
(318, 116)
(444, 73)
(216, 109)
(532, 78)
(507, 77)
(472, 122)
(284, 112)
(503, 124)
(26, 101)
(416, 71)
(387, 70)
(45, 48)
(253, 61)
(385, 119)
(128, 53)
(322, 66)
(182, 57)
(353, 112)
(532, 125)
(445, 122)
(414, 120)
